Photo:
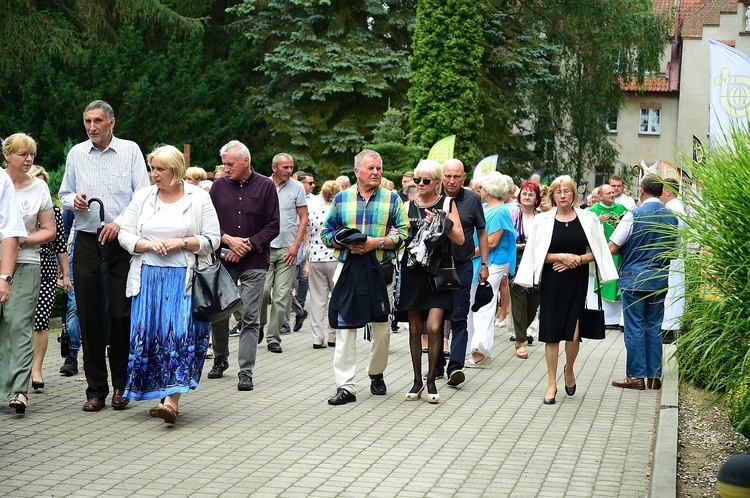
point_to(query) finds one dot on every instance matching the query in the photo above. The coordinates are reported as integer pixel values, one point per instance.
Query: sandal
(521, 351)
(18, 403)
(166, 413)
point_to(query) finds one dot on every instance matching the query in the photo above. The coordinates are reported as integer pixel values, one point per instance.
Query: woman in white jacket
(563, 242)
(168, 228)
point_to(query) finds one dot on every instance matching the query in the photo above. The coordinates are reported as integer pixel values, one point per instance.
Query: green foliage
(330, 68)
(713, 348)
(446, 63)
(738, 407)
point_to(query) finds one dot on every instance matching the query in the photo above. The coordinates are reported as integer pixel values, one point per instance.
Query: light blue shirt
(111, 175)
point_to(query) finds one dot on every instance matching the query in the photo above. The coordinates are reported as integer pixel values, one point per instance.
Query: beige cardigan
(529, 272)
(198, 219)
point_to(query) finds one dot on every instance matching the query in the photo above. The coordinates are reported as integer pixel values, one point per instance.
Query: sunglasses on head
(426, 181)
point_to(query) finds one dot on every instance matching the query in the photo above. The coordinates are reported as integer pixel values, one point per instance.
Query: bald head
(453, 177)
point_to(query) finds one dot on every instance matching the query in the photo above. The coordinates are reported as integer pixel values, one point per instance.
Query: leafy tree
(330, 67)
(390, 141)
(446, 64)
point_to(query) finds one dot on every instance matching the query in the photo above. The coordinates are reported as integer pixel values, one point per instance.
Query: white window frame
(612, 123)
(652, 123)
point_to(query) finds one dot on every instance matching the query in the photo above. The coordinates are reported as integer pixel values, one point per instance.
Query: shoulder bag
(215, 294)
(591, 323)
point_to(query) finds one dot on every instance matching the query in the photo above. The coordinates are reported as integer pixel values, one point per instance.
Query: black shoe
(377, 385)
(236, 330)
(550, 401)
(446, 354)
(299, 321)
(217, 372)
(570, 391)
(245, 383)
(37, 385)
(529, 340)
(331, 344)
(668, 336)
(342, 397)
(274, 347)
(285, 329)
(260, 335)
(456, 378)
(70, 367)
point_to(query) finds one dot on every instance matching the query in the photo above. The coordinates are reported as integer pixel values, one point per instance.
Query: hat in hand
(482, 296)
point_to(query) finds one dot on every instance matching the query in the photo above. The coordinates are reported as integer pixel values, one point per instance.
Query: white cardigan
(530, 270)
(198, 219)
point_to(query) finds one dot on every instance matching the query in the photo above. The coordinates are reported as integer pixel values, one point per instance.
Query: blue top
(498, 218)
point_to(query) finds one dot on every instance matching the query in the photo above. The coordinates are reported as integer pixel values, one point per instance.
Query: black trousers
(87, 277)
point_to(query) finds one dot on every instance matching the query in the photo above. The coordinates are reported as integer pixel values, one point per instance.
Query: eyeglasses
(26, 154)
(309, 183)
(563, 192)
(426, 181)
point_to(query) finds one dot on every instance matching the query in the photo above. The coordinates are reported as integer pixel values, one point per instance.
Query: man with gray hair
(284, 248)
(111, 169)
(344, 181)
(248, 210)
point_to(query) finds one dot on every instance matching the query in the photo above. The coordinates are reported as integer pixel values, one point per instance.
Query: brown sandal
(166, 413)
(521, 350)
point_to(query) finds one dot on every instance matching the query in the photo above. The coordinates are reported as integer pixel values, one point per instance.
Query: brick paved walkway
(492, 437)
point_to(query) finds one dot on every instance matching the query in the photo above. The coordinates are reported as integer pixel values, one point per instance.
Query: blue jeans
(459, 334)
(643, 312)
(71, 314)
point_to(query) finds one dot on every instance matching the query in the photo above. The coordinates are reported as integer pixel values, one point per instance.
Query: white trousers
(321, 285)
(481, 324)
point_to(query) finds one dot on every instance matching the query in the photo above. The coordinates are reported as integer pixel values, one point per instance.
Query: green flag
(443, 149)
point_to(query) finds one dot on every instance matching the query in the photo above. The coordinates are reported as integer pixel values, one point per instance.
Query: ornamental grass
(714, 342)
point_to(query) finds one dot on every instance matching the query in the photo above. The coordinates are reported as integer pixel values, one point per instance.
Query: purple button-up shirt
(249, 209)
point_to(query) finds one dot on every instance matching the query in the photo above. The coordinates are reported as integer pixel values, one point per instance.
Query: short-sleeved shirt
(111, 175)
(11, 223)
(32, 199)
(291, 196)
(471, 214)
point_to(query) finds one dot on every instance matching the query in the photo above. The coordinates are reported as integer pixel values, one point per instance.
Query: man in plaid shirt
(380, 215)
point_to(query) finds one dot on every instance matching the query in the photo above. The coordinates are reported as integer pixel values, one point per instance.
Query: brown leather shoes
(93, 404)
(630, 383)
(654, 383)
(118, 402)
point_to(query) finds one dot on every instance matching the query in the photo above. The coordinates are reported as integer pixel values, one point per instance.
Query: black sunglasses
(426, 181)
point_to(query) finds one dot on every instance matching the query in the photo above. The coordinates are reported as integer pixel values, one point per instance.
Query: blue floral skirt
(167, 347)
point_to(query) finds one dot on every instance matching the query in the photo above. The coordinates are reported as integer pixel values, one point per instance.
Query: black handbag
(446, 278)
(591, 324)
(215, 294)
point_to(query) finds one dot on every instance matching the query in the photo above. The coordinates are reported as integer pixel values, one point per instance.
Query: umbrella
(103, 252)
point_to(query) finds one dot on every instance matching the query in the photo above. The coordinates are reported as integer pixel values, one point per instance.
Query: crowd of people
(451, 261)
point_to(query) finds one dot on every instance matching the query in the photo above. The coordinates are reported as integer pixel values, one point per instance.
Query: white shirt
(625, 228)
(11, 222)
(111, 175)
(626, 201)
(32, 200)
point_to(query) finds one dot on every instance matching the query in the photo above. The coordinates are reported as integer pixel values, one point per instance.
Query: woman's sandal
(18, 403)
(521, 350)
(166, 413)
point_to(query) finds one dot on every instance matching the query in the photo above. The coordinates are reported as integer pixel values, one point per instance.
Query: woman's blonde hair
(495, 184)
(196, 174)
(37, 170)
(19, 141)
(386, 183)
(329, 190)
(169, 157)
(431, 168)
(563, 181)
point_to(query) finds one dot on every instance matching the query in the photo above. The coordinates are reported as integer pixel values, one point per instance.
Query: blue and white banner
(729, 88)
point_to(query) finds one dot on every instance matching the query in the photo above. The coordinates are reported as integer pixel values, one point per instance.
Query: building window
(650, 122)
(612, 125)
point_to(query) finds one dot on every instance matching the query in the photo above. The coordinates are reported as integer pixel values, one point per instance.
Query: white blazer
(198, 219)
(530, 270)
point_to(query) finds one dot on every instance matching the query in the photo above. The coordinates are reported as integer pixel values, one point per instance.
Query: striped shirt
(373, 217)
(111, 175)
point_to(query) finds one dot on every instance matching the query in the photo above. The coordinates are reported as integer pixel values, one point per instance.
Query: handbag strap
(598, 289)
(213, 255)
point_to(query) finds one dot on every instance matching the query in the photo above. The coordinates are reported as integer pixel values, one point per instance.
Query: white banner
(729, 88)
(485, 166)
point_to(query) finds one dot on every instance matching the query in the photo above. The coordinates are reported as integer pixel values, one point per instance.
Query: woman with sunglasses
(562, 243)
(418, 304)
(17, 314)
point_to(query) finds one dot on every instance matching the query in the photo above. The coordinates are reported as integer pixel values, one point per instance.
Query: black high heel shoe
(550, 401)
(37, 385)
(570, 391)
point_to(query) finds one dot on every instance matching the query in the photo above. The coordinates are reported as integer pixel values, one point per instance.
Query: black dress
(563, 293)
(416, 293)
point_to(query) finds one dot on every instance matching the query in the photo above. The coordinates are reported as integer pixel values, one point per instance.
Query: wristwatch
(7, 278)
(184, 242)
(381, 243)
(484, 264)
